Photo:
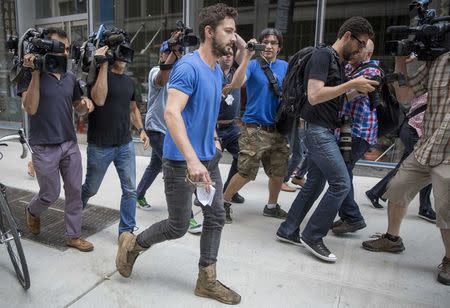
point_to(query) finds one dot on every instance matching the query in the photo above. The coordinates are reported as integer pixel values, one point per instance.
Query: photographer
(260, 142)
(49, 99)
(428, 163)
(325, 86)
(362, 111)
(109, 137)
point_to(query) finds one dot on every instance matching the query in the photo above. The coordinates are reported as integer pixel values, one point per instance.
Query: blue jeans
(325, 163)
(98, 160)
(230, 142)
(299, 152)
(349, 210)
(155, 166)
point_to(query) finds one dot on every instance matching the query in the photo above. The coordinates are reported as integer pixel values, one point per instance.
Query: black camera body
(118, 48)
(45, 50)
(431, 35)
(187, 37)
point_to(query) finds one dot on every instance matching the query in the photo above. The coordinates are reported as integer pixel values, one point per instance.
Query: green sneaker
(142, 204)
(194, 226)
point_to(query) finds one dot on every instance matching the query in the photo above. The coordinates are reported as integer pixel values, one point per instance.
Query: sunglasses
(361, 44)
(197, 184)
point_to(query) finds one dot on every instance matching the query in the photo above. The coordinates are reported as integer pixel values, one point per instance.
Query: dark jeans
(98, 160)
(299, 152)
(155, 165)
(179, 204)
(325, 163)
(409, 137)
(230, 142)
(349, 210)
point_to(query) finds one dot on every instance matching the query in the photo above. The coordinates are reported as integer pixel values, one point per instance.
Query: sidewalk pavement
(265, 272)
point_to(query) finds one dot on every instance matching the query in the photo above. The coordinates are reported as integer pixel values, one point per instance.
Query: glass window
(55, 8)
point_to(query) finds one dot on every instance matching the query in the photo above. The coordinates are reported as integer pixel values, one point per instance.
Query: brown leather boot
(79, 243)
(209, 286)
(33, 223)
(127, 253)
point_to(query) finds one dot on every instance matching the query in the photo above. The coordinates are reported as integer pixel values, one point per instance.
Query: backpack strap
(269, 74)
(412, 114)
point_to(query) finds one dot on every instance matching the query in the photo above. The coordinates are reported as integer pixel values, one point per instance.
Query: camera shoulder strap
(269, 74)
(412, 114)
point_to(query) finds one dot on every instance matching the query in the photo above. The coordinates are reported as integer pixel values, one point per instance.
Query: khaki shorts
(412, 177)
(270, 148)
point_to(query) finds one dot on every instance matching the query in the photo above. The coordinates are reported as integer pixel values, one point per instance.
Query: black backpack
(294, 95)
(390, 115)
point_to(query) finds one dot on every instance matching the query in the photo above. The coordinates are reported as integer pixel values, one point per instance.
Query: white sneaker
(194, 227)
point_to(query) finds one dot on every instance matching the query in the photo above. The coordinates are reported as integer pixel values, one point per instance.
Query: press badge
(229, 100)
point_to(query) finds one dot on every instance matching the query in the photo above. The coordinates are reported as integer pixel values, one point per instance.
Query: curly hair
(358, 26)
(213, 15)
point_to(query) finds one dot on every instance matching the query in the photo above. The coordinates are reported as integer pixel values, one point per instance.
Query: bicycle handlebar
(23, 141)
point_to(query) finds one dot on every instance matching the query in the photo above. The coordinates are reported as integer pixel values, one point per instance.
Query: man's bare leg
(275, 183)
(396, 214)
(446, 239)
(236, 183)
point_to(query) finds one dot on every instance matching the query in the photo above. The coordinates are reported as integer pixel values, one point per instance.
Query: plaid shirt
(364, 119)
(433, 148)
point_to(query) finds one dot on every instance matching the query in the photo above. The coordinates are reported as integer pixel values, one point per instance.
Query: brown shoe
(208, 286)
(286, 187)
(127, 253)
(444, 272)
(33, 223)
(79, 243)
(382, 243)
(298, 181)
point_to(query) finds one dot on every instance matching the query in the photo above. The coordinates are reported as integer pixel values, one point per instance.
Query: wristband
(217, 139)
(165, 67)
(99, 59)
(140, 130)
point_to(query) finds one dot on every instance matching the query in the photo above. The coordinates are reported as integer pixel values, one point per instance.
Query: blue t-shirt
(262, 103)
(203, 84)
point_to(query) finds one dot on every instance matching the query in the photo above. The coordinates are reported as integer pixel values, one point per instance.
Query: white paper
(229, 100)
(204, 197)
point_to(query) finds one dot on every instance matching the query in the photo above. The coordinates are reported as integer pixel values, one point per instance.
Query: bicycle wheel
(10, 236)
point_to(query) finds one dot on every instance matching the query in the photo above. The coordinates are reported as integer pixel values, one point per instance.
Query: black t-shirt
(324, 66)
(109, 125)
(53, 122)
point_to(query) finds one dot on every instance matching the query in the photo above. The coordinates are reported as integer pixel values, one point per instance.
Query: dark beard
(346, 53)
(219, 50)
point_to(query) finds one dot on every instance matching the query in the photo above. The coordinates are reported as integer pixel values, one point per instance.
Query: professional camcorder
(46, 51)
(118, 47)
(431, 35)
(187, 37)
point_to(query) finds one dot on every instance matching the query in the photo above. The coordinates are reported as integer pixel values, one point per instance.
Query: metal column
(320, 21)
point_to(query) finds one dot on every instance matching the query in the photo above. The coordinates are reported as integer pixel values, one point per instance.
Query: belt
(267, 128)
(224, 123)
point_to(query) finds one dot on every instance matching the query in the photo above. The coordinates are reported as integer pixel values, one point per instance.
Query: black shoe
(237, 198)
(295, 240)
(428, 214)
(444, 272)
(276, 212)
(319, 250)
(228, 212)
(373, 200)
(336, 223)
(347, 227)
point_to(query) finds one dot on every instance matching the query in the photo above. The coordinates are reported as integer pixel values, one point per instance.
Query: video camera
(187, 37)
(45, 50)
(118, 47)
(431, 35)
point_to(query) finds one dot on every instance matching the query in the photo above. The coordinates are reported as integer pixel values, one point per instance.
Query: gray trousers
(179, 203)
(51, 161)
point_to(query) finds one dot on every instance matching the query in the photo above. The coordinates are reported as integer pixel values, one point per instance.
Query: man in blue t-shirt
(190, 155)
(260, 141)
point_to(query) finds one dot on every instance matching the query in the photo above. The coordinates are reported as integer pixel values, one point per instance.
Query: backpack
(294, 95)
(390, 115)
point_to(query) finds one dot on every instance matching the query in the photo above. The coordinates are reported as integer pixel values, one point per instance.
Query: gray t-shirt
(53, 121)
(156, 104)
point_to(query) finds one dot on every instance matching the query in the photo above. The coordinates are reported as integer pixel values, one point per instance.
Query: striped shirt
(433, 148)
